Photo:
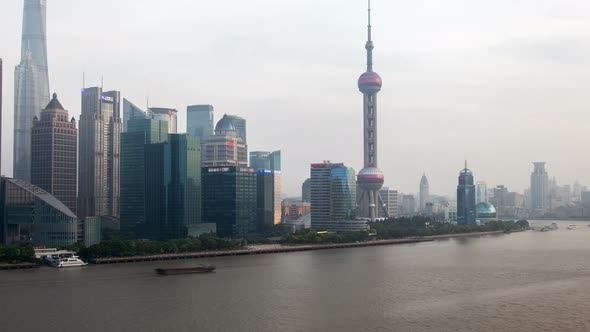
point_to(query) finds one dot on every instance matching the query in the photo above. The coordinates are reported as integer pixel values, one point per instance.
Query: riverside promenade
(274, 249)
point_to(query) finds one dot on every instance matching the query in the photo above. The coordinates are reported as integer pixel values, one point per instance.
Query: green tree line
(17, 254)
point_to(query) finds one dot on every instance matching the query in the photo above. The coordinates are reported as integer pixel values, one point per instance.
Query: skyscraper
(424, 193)
(99, 153)
(54, 147)
(240, 125)
(390, 197)
(481, 192)
(539, 188)
(333, 198)
(225, 148)
(130, 111)
(370, 178)
(306, 190)
(466, 198)
(260, 160)
(165, 114)
(199, 121)
(1, 78)
(140, 133)
(173, 187)
(31, 84)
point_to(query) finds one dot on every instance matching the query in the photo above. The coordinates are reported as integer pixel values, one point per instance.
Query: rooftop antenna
(369, 46)
(101, 82)
(83, 80)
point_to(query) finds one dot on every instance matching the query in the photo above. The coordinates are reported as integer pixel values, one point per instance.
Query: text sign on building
(218, 170)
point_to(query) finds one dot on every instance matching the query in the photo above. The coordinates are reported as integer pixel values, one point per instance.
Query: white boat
(71, 262)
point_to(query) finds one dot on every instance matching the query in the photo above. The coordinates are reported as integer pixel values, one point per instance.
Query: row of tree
(16, 254)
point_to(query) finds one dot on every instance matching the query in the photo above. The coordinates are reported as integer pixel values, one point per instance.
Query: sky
(498, 83)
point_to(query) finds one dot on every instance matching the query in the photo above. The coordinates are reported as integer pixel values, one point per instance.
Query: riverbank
(274, 249)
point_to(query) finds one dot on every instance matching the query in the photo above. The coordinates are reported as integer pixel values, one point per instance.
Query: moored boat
(186, 270)
(70, 262)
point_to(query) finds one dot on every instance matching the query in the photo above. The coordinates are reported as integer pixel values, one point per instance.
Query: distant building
(1, 79)
(270, 161)
(292, 211)
(165, 114)
(408, 206)
(140, 133)
(306, 191)
(240, 125)
(99, 154)
(466, 198)
(485, 212)
(585, 197)
(91, 231)
(130, 111)
(172, 187)
(230, 200)
(265, 200)
(199, 121)
(539, 189)
(30, 215)
(260, 160)
(390, 198)
(225, 148)
(54, 146)
(481, 192)
(333, 198)
(424, 193)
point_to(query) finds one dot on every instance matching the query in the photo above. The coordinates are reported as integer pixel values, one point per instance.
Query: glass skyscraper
(130, 111)
(466, 198)
(140, 133)
(199, 121)
(539, 189)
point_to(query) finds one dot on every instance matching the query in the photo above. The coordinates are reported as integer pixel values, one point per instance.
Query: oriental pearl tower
(370, 178)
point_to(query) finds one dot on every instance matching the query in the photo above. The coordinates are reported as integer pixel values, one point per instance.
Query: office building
(99, 154)
(31, 84)
(370, 178)
(30, 215)
(390, 198)
(466, 198)
(333, 198)
(225, 147)
(140, 133)
(230, 200)
(265, 200)
(199, 121)
(306, 190)
(240, 126)
(130, 111)
(270, 161)
(260, 160)
(292, 211)
(408, 206)
(485, 212)
(172, 187)
(539, 189)
(1, 79)
(54, 158)
(481, 192)
(424, 193)
(165, 114)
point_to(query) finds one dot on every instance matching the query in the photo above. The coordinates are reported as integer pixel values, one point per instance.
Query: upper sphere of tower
(370, 178)
(370, 82)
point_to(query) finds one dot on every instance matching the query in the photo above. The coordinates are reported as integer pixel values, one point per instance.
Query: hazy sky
(500, 83)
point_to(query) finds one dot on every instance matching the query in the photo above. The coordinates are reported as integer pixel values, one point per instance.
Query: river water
(528, 281)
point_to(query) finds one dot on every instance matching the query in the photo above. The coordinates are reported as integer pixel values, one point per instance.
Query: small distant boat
(70, 262)
(571, 227)
(187, 270)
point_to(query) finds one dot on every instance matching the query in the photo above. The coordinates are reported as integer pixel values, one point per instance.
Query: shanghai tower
(370, 178)
(31, 84)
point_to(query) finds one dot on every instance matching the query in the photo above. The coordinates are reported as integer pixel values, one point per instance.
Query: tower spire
(369, 46)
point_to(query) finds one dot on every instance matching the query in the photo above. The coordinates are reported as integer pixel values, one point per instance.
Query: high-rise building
(390, 197)
(240, 125)
(31, 84)
(1, 79)
(54, 158)
(466, 197)
(165, 114)
(370, 178)
(333, 198)
(408, 205)
(260, 160)
(30, 215)
(539, 189)
(230, 200)
(130, 111)
(199, 121)
(265, 200)
(424, 193)
(481, 192)
(140, 133)
(99, 154)
(306, 191)
(271, 161)
(225, 148)
(172, 187)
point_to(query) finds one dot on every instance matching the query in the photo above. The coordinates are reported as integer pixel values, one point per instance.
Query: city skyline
(482, 48)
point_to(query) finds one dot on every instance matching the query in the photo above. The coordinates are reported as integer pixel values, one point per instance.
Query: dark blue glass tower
(466, 198)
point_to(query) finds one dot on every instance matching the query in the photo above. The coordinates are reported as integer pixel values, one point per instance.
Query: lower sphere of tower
(370, 178)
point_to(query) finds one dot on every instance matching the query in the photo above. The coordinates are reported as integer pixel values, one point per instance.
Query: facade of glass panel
(30, 215)
(54, 159)
(265, 199)
(169, 115)
(141, 132)
(466, 198)
(230, 200)
(172, 187)
(260, 160)
(131, 111)
(199, 121)
(539, 189)
(99, 154)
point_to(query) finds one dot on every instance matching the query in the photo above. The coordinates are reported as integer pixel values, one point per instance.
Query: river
(527, 281)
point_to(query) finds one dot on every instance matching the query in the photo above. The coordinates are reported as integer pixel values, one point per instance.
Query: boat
(201, 268)
(72, 261)
(571, 227)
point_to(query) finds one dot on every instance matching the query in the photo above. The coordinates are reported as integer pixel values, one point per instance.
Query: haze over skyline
(500, 84)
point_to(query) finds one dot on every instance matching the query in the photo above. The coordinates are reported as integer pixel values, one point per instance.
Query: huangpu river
(526, 281)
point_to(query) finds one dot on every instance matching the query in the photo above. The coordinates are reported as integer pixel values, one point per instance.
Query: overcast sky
(500, 83)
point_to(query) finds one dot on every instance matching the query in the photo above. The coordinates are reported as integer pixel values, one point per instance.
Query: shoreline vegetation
(392, 231)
